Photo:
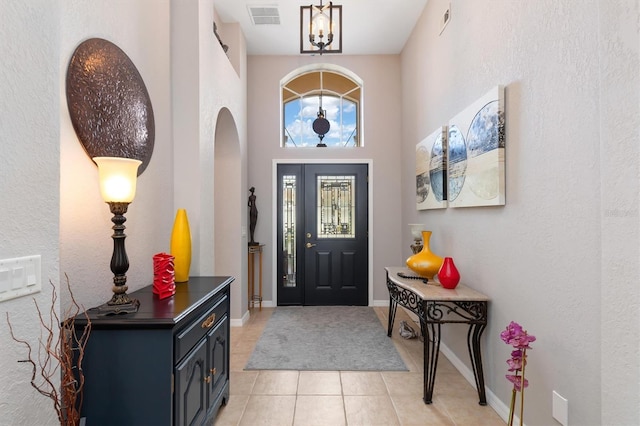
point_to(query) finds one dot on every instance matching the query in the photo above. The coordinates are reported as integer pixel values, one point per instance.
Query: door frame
(274, 225)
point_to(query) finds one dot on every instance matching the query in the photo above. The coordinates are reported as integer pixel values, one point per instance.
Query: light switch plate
(20, 276)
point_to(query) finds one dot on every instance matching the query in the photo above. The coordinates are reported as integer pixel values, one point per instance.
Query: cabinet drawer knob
(213, 371)
(209, 321)
(207, 379)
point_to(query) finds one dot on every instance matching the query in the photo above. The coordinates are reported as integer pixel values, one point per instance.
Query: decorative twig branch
(60, 351)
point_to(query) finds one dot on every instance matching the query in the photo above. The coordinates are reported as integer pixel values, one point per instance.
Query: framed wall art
(476, 153)
(431, 171)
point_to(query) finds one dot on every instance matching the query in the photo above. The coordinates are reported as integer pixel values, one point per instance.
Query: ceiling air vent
(264, 15)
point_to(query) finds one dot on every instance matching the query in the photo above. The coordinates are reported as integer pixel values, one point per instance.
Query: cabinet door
(217, 353)
(191, 387)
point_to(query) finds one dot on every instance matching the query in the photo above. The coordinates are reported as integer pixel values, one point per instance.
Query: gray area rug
(349, 338)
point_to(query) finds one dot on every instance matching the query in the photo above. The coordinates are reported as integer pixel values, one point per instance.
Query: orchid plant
(515, 336)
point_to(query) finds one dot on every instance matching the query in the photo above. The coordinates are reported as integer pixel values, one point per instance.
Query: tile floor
(334, 398)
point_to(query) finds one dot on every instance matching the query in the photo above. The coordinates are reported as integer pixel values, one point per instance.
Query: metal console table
(435, 306)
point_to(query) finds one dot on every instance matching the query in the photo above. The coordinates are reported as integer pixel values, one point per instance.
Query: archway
(229, 208)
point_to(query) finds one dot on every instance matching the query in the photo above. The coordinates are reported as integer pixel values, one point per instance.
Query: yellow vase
(425, 263)
(181, 246)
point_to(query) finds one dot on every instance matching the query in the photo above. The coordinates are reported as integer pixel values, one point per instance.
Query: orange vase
(425, 263)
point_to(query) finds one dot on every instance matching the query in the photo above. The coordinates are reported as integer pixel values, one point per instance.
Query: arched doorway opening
(229, 208)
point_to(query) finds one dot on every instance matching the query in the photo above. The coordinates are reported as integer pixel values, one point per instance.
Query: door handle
(309, 245)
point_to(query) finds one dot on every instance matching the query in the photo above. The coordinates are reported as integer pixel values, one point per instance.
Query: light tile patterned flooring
(334, 398)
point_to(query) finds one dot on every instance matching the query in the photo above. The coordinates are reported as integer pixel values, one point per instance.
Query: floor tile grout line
(409, 350)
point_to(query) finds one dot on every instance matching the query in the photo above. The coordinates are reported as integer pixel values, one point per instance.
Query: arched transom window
(333, 93)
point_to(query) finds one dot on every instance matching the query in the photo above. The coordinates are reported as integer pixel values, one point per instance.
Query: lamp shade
(118, 178)
(416, 230)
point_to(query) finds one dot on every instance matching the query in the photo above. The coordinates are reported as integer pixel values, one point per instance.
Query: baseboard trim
(239, 322)
(492, 400)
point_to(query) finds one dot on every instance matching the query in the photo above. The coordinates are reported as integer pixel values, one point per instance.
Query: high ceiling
(370, 27)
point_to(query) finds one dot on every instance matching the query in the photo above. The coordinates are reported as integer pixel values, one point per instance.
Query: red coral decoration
(163, 275)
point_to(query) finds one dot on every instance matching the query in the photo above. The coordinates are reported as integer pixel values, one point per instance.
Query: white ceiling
(370, 27)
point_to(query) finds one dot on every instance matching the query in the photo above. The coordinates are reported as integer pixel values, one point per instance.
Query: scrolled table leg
(393, 306)
(431, 337)
(473, 344)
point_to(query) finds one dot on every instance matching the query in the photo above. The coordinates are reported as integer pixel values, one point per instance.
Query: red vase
(448, 275)
(163, 275)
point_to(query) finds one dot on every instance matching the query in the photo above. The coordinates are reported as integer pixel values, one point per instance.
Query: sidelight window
(289, 229)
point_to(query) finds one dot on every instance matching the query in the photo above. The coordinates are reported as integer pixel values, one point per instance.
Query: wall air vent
(264, 15)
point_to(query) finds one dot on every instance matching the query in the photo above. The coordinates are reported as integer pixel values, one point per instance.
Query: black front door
(322, 233)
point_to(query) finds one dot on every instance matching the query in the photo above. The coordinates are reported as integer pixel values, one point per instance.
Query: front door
(322, 234)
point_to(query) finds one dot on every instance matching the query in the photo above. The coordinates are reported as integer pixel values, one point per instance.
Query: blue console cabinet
(167, 364)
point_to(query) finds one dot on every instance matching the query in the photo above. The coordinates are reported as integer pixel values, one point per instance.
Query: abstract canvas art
(476, 149)
(431, 171)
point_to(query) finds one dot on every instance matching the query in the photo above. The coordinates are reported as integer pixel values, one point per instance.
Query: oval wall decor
(109, 104)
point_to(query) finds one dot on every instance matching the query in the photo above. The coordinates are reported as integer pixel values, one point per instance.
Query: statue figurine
(253, 216)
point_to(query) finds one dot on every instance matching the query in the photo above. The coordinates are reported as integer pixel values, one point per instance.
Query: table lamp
(118, 188)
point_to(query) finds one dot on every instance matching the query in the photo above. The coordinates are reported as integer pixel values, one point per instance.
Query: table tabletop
(432, 290)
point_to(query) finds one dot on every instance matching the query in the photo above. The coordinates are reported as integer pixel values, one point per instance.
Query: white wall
(561, 258)
(619, 98)
(29, 187)
(381, 88)
(51, 201)
(205, 82)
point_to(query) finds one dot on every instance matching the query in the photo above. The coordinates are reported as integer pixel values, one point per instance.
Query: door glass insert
(289, 230)
(335, 206)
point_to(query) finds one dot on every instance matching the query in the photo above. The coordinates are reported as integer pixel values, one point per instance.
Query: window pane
(292, 124)
(289, 230)
(349, 123)
(335, 206)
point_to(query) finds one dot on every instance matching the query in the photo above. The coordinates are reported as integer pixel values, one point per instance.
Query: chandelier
(321, 28)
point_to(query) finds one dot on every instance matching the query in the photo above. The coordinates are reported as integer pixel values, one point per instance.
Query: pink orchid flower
(516, 380)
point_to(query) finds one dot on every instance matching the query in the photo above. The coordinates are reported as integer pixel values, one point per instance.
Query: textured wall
(55, 208)
(141, 30)
(204, 82)
(570, 71)
(619, 97)
(29, 182)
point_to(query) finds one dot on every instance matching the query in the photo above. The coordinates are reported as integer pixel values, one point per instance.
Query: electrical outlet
(560, 409)
(20, 276)
(446, 17)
